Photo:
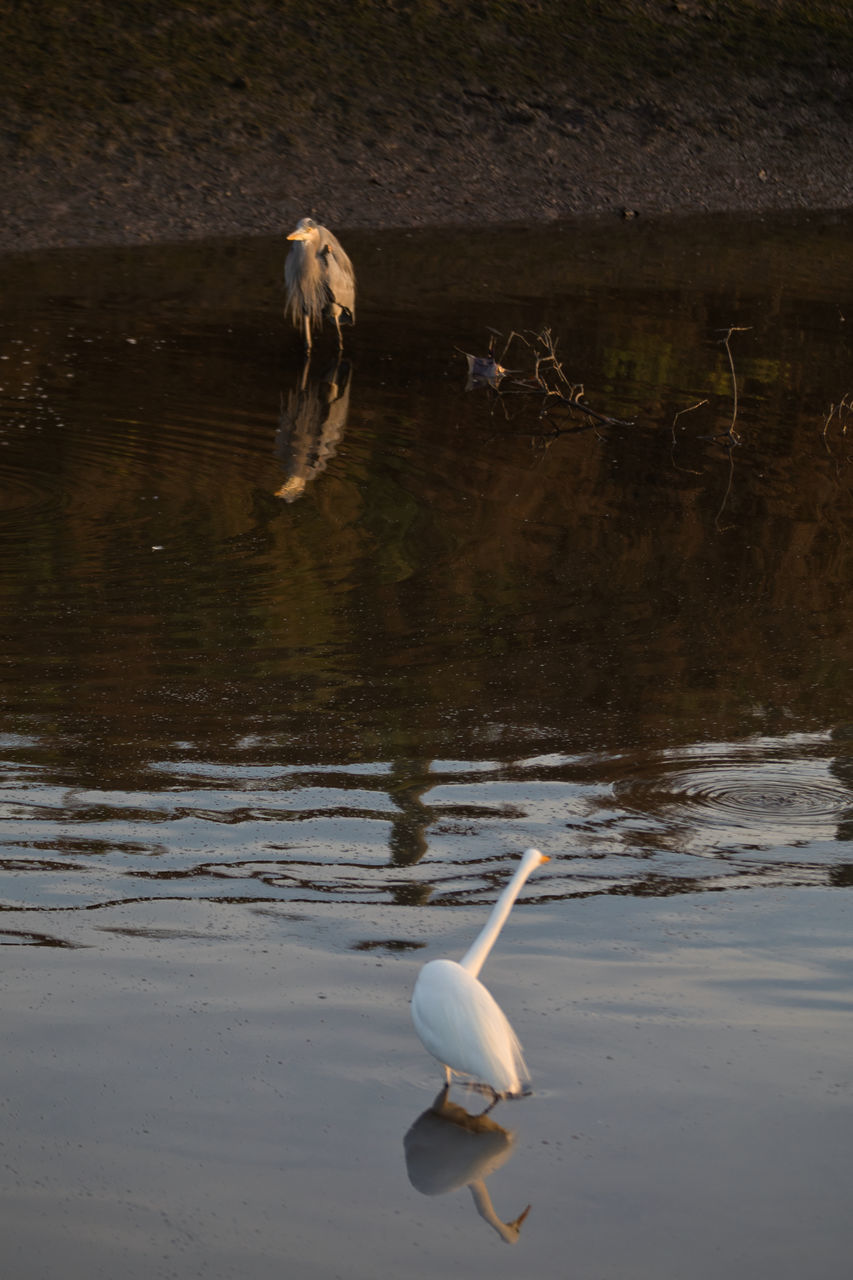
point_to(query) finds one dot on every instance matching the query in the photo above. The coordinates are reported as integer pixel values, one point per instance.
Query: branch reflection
(447, 1148)
(312, 421)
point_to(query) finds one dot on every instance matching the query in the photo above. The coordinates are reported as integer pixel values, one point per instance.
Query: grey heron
(320, 280)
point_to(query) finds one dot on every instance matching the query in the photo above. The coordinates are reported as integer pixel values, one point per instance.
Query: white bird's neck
(476, 955)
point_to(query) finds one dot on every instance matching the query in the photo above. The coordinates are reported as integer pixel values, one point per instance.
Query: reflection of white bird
(447, 1148)
(320, 280)
(459, 1021)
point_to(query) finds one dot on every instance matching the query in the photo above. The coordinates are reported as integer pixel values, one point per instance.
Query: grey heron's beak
(298, 235)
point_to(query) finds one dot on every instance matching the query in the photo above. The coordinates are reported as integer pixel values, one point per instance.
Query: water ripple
(766, 812)
(787, 795)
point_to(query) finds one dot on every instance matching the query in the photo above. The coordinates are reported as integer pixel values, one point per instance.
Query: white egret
(459, 1022)
(320, 280)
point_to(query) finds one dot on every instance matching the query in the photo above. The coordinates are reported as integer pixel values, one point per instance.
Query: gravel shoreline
(168, 123)
(191, 195)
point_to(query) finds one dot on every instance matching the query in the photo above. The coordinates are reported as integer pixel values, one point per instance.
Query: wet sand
(214, 1089)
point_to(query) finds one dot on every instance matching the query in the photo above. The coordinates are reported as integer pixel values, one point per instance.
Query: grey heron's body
(320, 280)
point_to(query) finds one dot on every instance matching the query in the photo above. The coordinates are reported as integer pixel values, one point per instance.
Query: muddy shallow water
(296, 662)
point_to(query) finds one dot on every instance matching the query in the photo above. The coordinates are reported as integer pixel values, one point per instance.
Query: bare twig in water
(842, 415)
(732, 434)
(843, 411)
(688, 409)
(722, 528)
(730, 437)
(547, 380)
(513, 334)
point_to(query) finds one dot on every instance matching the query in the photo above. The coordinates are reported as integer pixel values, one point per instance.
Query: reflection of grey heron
(320, 280)
(447, 1148)
(312, 420)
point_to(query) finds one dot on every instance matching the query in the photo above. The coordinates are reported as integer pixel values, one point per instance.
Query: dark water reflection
(228, 577)
(288, 652)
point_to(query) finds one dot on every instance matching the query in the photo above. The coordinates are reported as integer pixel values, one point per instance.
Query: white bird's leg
(496, 1097)
(440, 1102)
(508, 1231)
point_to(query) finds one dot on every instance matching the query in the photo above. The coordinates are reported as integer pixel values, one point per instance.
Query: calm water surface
(297, 660)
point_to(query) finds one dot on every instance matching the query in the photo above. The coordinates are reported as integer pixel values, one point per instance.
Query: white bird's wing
(462, 1025)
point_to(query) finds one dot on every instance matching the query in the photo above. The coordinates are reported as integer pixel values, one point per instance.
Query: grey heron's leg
(338, 327)
(307, 320)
